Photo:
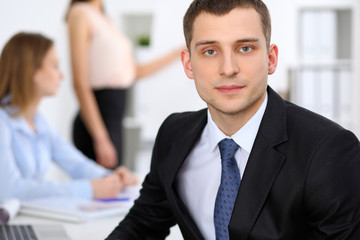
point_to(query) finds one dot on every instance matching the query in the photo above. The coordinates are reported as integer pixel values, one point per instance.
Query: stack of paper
(79, 210)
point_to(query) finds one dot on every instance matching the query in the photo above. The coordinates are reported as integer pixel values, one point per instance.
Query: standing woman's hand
(105, 153)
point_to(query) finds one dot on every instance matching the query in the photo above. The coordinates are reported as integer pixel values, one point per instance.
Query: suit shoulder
(178, 123)
(184, 118)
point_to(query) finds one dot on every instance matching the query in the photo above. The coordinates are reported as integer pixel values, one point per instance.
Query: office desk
(91, 230)
(97, 229)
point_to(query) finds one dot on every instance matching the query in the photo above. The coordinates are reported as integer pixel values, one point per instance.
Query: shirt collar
(19, 123)
(244, 137)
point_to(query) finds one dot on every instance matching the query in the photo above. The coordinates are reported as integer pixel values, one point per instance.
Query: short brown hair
(222, 7)
(22, 55)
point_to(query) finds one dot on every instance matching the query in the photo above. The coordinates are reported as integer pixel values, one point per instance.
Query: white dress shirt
(199, 177)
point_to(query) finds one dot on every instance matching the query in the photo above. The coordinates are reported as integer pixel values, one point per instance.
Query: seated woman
(28, 72)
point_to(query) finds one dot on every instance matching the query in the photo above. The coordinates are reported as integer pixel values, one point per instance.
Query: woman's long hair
(21, 57)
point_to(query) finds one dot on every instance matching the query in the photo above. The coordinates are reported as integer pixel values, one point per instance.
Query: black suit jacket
(302, 180)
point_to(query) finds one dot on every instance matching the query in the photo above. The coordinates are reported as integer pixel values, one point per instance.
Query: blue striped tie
(229, 186)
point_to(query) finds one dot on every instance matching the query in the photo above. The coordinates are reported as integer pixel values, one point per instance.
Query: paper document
(79, 210)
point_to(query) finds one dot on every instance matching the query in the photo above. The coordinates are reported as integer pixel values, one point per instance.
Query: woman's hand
(126, 176)
(107, 187)
(105, 153)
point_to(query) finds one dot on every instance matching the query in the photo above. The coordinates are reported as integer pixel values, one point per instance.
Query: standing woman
(28, 72)
(103, 68)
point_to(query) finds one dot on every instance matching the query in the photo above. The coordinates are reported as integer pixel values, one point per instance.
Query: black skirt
(111, 103)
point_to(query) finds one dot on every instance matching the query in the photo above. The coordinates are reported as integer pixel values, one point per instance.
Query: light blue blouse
(25, 157)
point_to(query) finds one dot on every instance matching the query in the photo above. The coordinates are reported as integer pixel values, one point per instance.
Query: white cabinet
(323, 78)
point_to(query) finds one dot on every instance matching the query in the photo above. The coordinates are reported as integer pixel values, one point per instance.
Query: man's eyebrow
(245, 40)
(248, 40)
(206, 42)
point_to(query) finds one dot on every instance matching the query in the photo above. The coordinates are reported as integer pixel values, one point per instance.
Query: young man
(298, 172)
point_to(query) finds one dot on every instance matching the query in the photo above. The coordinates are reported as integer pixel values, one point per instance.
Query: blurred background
(319, 53)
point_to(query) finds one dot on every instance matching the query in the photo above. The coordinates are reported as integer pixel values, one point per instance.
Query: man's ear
(273, 58)
(185, 59)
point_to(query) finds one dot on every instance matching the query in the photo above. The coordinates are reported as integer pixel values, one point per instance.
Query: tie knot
(227, 148)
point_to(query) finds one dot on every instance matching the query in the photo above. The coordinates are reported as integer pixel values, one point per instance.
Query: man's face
(230, 62)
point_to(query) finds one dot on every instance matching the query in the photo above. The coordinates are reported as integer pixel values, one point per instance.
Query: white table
(97, 229)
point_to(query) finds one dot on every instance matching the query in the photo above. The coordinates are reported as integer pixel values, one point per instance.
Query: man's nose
(229, 66)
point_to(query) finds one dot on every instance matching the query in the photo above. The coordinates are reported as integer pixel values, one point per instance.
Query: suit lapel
(262, 168)
(179, 150)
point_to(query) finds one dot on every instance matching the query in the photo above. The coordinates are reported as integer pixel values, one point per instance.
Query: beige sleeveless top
(110, 60)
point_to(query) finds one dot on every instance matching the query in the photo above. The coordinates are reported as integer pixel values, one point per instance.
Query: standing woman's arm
(80, 37)
(146, 69)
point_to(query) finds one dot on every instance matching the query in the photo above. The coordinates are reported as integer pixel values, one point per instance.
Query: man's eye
(246, 49)
(210, 52)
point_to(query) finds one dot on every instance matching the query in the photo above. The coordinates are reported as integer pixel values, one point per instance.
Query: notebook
(33, 232)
